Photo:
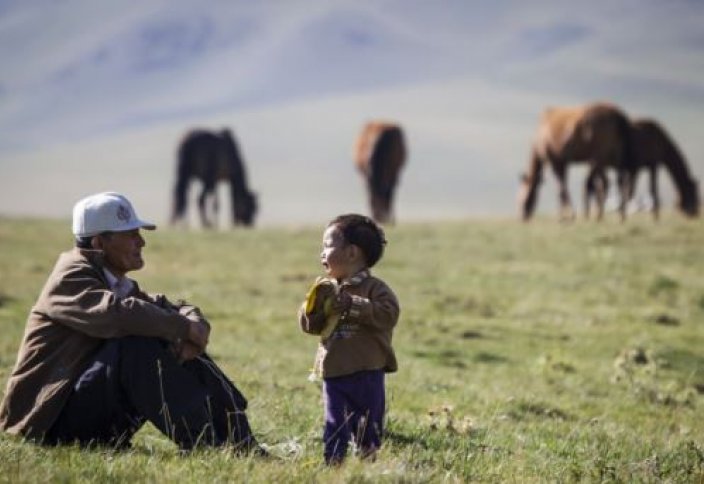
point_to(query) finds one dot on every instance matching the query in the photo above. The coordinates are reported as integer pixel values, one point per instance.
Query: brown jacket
(75, 312)
(362, 338)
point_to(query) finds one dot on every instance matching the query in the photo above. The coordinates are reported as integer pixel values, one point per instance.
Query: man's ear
(96, 242)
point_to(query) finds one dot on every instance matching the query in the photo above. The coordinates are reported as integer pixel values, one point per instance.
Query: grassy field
(539, 352)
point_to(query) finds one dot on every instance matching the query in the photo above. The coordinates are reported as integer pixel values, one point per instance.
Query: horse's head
(381, 208)
(530, 182)
(245, 209)
(689, 199)
(528, 191)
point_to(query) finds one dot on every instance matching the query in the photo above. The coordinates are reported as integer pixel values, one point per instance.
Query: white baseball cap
(105, 212)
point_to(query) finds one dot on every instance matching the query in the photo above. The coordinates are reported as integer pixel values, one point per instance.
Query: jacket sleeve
(380, 310)
(79, 299)
(182, 307)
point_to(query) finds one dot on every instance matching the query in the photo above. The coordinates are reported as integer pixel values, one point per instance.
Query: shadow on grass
(403, 439)
(524, 410)
(469, 334)
(689, 365)
(4, 299)
(457, 359)
(483, 357)
(435, 440)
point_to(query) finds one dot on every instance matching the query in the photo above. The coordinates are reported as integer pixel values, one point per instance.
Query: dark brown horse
(380, 155)
(598, 134)
(653, 146)
(212, 157)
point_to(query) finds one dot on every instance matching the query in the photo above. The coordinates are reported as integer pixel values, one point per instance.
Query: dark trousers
(354, 407)
(136, 379)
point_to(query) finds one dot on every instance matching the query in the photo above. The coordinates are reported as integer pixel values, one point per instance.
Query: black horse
(212, 157)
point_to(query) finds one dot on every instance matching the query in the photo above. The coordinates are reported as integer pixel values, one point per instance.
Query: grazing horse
(597, 133)
(380, 155)
(212, 157)
(652, 147)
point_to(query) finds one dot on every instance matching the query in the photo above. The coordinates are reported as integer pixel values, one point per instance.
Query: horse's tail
(183, 174)
(530, 182)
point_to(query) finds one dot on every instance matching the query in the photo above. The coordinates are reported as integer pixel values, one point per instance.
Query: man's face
(123, 251)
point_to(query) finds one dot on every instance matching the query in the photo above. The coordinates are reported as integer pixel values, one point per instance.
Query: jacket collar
(356, 279)
(94, 256)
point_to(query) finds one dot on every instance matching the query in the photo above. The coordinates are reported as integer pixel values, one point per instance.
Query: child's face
(339, 259)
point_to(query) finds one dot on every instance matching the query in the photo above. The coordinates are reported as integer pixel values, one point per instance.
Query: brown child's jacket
(362, 338)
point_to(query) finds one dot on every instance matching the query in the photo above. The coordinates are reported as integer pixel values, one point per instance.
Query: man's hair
(87, 242)
(364, 233)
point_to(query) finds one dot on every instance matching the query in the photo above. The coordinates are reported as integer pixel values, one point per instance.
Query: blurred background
(97, 95)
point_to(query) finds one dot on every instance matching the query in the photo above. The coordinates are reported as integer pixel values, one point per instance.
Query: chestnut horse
(212, 157)
(380, 155)
(653, 146)
(598, 134)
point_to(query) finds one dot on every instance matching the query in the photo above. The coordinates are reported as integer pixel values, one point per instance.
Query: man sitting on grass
(100, 357)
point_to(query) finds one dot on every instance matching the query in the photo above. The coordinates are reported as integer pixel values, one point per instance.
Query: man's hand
(196, 343)
(187, 351)
(198, 334)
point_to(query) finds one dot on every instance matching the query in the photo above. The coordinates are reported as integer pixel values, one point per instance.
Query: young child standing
(354, 313)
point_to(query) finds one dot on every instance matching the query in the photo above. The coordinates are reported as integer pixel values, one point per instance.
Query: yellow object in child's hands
(319, 301)
(322, 290)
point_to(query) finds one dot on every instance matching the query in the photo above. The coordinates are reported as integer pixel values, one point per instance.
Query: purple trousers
(354, 408)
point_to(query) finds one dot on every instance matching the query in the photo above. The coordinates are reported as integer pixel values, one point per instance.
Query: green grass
(539, 352)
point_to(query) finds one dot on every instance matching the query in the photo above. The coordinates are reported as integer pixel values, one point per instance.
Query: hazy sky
(96, 95)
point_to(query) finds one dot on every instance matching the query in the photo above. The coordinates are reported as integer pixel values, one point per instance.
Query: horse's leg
(202, 207)
(216, 204)
(632, 182)
(654, 191)
(623, 193)
(566, 211)
(589, 191)
(209, 184)
(626, 185)
(601, 188)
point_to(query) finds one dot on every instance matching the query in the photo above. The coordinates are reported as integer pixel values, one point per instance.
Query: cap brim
(137, 224)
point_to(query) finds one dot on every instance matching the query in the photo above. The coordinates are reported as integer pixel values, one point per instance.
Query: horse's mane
(238, 176)
(668, 153)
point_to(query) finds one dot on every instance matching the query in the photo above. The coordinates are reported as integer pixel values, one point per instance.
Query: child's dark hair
(364, 233)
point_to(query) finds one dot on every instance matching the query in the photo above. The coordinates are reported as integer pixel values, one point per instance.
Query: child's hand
(342, 302)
